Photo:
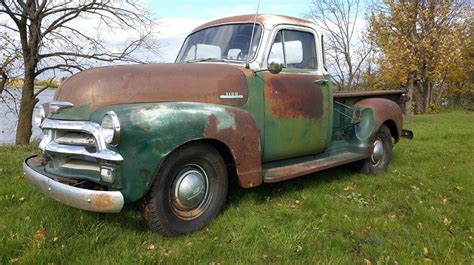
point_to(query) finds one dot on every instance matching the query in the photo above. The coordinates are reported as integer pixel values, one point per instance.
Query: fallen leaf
(349, 188)
(347, 217)
(40, 234)
(228, 241)
(446, 221)
(189, 243)
(420, 226)
(13, 260)
(151, 247)
(22, 199)
(445, 200)
(27, 218)
(292, 206)
(427, 261)
(367, 229)
(168, 252)
(263, 209)
(425, 250)
(297, 202)
(215, 263)
(299, 248)
(55, 239)
(367, 262)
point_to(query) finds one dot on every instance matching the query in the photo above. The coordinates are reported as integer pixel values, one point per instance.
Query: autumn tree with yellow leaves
(420, 43)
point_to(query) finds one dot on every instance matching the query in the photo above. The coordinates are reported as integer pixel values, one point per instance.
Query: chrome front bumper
(89, 200)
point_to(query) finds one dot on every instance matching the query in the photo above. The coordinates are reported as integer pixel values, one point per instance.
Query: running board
(276, 174)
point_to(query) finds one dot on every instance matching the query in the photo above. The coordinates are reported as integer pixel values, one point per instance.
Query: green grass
(421, 210)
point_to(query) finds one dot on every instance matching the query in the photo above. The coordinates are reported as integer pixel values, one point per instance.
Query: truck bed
(398, 96)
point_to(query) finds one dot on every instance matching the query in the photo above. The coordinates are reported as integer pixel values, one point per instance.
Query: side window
(295, 48)
(276, 52)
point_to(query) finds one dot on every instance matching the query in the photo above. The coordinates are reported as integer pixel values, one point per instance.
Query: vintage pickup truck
(249, 96)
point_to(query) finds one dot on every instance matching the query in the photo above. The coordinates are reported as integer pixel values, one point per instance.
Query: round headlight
(111, 128)
(38, 115)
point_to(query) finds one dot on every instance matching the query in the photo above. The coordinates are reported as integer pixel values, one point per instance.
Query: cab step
(289, 171)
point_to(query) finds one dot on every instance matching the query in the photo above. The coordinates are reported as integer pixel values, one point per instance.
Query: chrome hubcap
(378, 151)
(190, 189)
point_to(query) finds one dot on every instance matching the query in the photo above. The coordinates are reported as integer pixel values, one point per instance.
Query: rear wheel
(189, 190)
(381, 155)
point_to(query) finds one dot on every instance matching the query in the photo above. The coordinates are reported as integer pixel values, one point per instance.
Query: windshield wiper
(206, 60)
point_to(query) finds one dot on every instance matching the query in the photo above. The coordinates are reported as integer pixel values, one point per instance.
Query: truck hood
(125, 84)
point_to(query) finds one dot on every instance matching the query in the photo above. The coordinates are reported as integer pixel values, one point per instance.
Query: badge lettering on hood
(231, 95)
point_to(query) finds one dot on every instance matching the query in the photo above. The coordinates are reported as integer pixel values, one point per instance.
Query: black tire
(378, 162)
(176, 203)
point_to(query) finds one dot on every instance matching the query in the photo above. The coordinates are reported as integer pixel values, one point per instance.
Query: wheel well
(393, 129)
(223, 150)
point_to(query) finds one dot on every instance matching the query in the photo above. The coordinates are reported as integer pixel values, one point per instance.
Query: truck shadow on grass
(131, 217)
(279, 190)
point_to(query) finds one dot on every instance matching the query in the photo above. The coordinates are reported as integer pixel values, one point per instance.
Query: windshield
(221, 43)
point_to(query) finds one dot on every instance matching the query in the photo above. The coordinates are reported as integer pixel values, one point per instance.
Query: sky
(178, 18)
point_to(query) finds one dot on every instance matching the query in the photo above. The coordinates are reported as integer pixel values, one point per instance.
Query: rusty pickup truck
(248, 96)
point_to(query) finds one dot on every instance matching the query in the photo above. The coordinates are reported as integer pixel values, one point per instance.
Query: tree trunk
(3, 82)
(418, 98)
(27, 104)
(426, 96)
(408, 111)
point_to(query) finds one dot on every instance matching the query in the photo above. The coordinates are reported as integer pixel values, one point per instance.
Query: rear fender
(374, 113)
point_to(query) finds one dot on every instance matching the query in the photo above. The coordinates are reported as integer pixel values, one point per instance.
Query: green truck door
(298, 112)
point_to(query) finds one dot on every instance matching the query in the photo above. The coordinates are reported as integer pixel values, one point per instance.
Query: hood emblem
(229, 95)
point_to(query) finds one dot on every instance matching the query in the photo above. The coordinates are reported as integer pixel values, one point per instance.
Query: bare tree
(10, 70)
(9, 57)
(53, 38)
(345, 51)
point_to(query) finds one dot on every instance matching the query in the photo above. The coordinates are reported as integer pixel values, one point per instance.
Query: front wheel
(189, 190)
(381, 155)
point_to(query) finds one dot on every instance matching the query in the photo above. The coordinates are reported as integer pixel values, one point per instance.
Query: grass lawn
(420, 211)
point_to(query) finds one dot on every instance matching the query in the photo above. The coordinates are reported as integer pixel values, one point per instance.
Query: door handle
(321, 82)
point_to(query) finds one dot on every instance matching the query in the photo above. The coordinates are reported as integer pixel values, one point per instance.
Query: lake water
(9, 119)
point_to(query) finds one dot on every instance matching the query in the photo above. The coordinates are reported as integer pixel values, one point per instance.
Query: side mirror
(275, 66)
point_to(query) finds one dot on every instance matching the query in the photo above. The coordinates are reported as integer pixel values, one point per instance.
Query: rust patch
(101, 201)
(293, 96)
(296, 170)
(243, 141)
(155, 83)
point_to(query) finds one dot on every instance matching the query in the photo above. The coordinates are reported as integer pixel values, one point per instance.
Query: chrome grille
(80, 138)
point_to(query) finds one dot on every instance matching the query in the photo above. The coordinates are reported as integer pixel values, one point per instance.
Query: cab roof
(268, 21)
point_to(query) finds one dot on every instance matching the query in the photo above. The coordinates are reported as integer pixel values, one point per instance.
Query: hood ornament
(57, 106)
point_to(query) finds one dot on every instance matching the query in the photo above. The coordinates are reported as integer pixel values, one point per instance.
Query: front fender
(374, 113)
(151, 131)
